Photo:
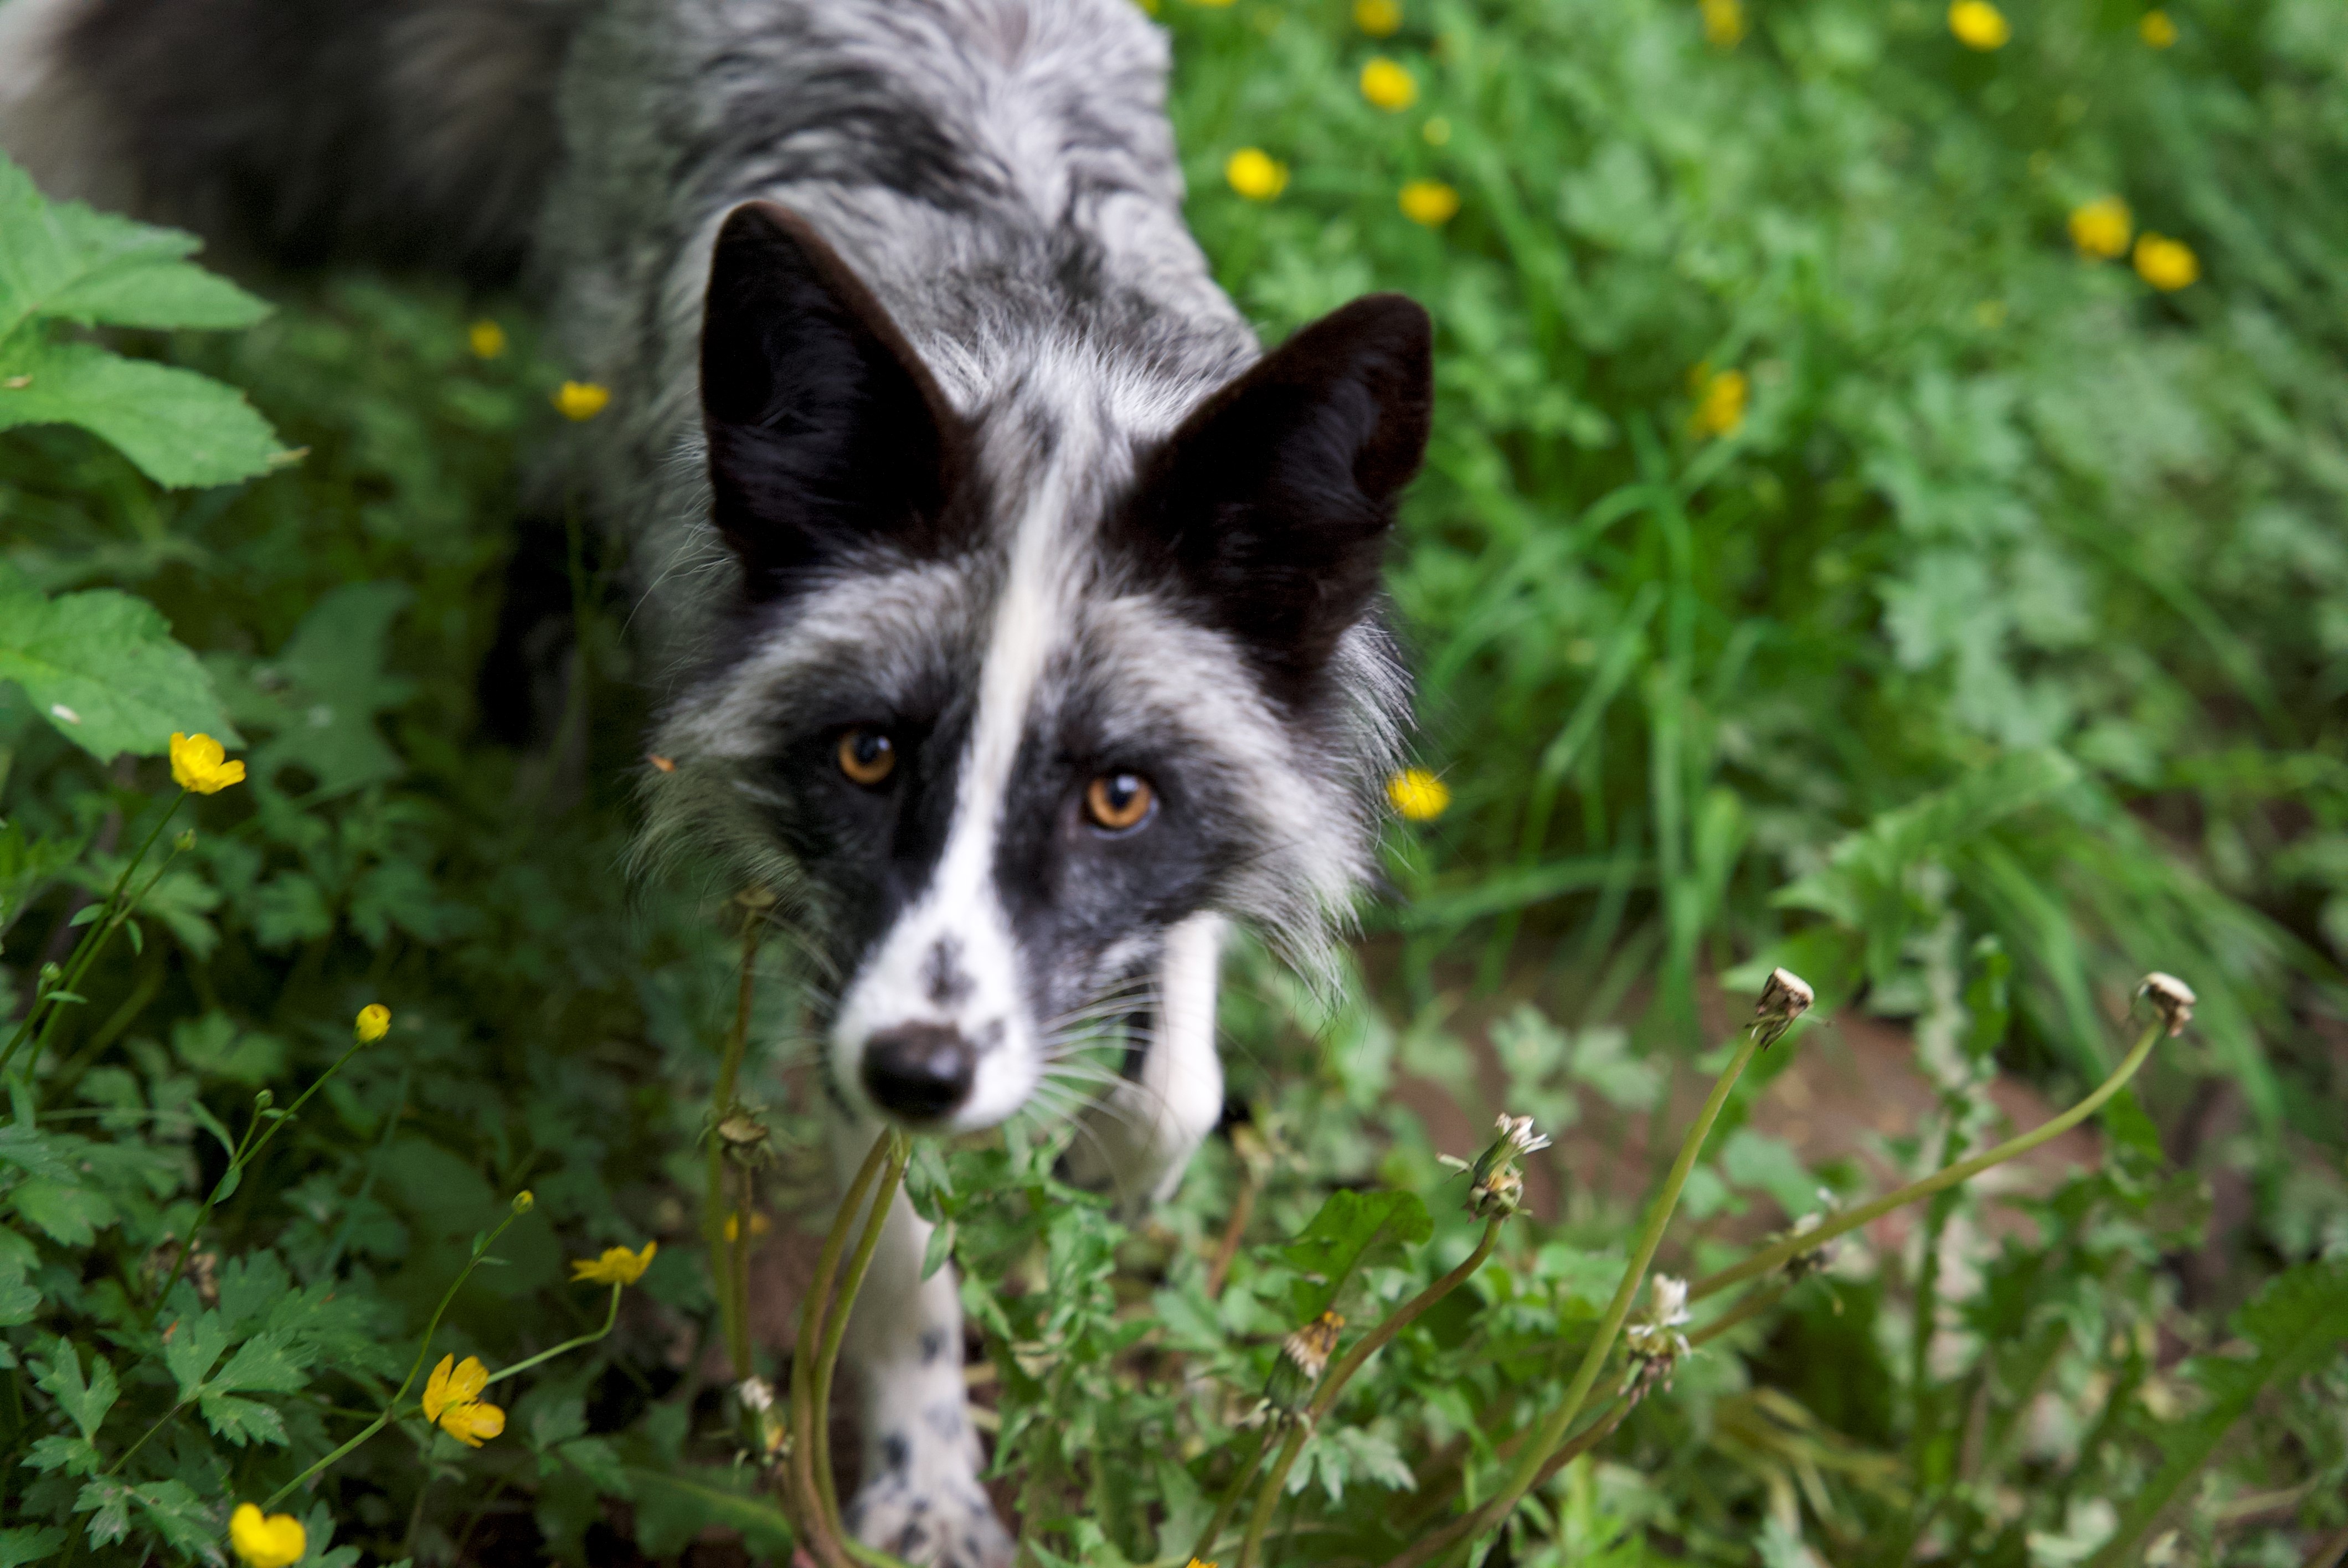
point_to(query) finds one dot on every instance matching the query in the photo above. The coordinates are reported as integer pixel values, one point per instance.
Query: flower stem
(1776, 1254)
(1230, 1498)
(835, 1326)
(248, 1149)
(609, 1319)
(85, 951)
(391, 1405)
(1333, 1384)
(811, 1517)
(1552, 1432)
(734, 1320)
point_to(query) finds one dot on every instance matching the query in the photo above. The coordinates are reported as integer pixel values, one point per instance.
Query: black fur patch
(827, 438)
(402, 131)
(1272, 505)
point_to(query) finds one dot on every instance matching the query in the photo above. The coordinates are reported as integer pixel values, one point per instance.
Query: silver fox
(1017, 618)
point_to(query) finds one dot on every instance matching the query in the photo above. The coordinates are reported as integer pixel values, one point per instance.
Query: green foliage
(63, 265)
(1990, 654)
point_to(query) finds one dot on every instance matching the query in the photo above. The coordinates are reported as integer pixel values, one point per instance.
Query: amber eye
(867, 756)
(1119, 801)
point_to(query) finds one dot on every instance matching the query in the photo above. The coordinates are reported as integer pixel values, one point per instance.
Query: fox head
(1019, 676)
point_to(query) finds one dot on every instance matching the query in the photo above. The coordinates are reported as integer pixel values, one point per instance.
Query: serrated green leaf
(241, 1422)
(84, 1403)
(269, 1362)
(108, 1502)
(33, 1152)
(184, 1520)
(191, 1352)
(103, 669)
(68, 1213)
(183, 429)
(73, 1456)
(64, 261)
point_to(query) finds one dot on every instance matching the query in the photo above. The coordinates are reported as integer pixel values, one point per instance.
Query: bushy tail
(404, 132)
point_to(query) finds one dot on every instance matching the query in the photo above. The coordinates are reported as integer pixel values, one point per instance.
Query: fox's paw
(951, 1526)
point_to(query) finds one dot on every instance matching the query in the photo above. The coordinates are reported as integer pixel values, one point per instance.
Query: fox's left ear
(1272, 503)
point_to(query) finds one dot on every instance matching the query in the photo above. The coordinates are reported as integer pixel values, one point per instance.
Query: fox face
(1016, 680)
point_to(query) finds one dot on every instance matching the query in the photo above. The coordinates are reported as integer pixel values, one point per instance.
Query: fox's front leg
(921, 1499)
(1139, 1137)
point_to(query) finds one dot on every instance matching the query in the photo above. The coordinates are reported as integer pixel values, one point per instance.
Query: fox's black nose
(919, 1071)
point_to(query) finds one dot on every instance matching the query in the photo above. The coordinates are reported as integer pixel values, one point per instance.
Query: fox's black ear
(1272, 503)
(827, 436)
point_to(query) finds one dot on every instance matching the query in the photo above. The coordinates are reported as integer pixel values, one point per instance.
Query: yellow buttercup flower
(2157, 30)
(1388, 86)
(2167, 264)
(276, 1541)
(577, 400)
(373, 1023)
(1256, 174)
(1428, 201)
(452, 1400)
(1378, 18)
(618, 1265)
(488, 339)
(1418, 795)
(1978, 24)
(1724, 23)
(1720, 407)
(2100, 228)
(200, 764)
(760, 1226)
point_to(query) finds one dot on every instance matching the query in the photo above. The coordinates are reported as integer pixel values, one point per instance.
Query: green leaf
(183, 429)
(191, 1352)
(63, 265)
(73, 1456)
(84, 1403)
(108, 1502)
(33, 1152)
(72, 1216)
(29, 1544)
(64, 261)
(269, 1362)
(103, 669)
(1351, 1229)
(243, 1421)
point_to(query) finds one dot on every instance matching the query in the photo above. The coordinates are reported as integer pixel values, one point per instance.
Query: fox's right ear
(827, 437)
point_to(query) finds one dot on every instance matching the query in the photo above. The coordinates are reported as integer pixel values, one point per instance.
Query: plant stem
(1529, 1468)
(391, 1405)
(1589, 1437)
(1333, 1384)
(609, 1319)
(812, 1520)
(1776, 1254)
(85, 951)
(238, 1160)
(835, 1326)
(1230, 1498)
(721, 1106)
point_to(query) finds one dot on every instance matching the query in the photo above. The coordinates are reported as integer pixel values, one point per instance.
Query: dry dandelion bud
(2171, 997)
(1784, 998)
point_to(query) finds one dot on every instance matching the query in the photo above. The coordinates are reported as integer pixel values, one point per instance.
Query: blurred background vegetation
(1886, 517)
